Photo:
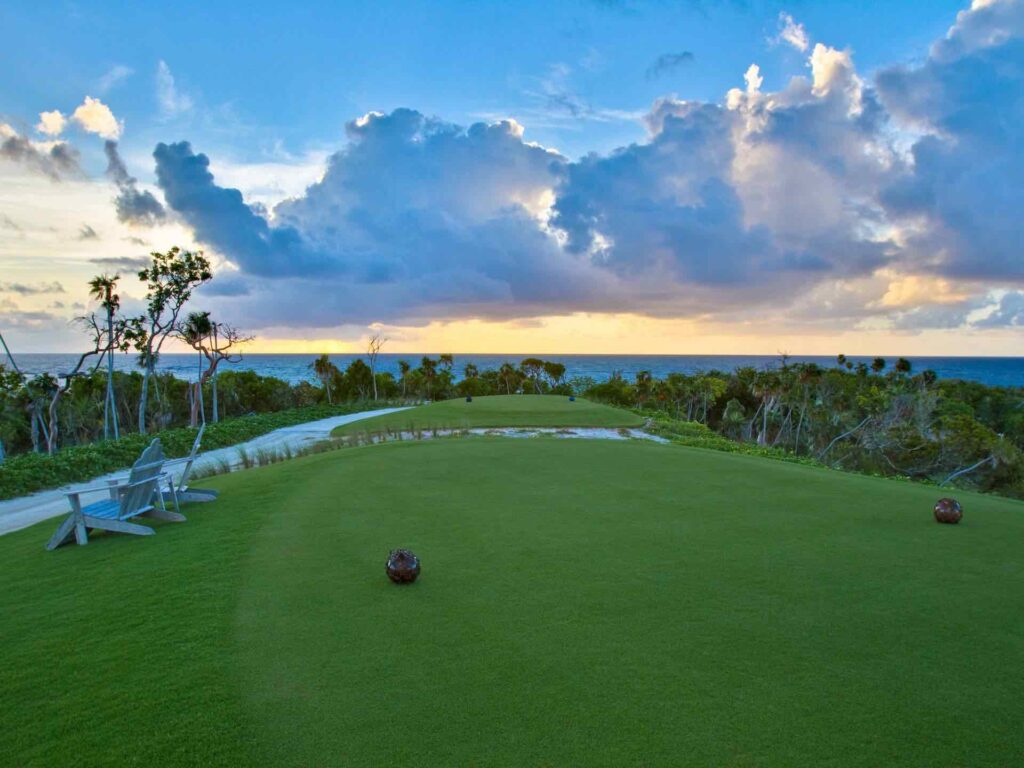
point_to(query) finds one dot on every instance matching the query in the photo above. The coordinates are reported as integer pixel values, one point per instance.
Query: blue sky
(281, 75)
(706, 176)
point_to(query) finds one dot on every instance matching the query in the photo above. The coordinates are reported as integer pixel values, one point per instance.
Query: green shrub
(31, 472)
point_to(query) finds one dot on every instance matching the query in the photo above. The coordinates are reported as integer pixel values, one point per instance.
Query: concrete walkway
(29, 510)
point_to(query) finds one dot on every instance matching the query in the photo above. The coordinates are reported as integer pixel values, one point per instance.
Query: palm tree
(429, 369)
(194, 331)
(403, 369)
(102, 289)
(507, 373)
(644, 380)
(324, 370)
(470, 371)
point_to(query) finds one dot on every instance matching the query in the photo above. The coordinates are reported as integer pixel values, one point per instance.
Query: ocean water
(997, 371)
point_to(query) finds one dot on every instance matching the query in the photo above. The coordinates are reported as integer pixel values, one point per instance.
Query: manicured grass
(499, 411)
(581, 603)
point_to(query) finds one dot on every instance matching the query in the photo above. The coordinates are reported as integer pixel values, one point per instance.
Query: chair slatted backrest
(183, 480)
(139, 495)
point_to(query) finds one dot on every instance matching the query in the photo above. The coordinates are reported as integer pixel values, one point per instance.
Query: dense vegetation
(582, 602)
(878, 419)
(30, 472)
(890, 423)
(873, 418)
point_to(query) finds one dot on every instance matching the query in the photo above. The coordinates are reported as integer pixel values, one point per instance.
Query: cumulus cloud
(797, 199)
(219, 216)
(668, 62)
(960, 201)
(172, 100)
(133, 205)
(415, 216)
(792, 32)
(51, 123)
(95, 117)
(55, 159)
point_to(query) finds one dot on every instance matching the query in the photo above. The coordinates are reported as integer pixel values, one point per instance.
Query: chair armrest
(121, 489)
(94, 489)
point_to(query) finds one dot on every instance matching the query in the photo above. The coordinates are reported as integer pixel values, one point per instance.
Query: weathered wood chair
(179, 492)
(133, 498)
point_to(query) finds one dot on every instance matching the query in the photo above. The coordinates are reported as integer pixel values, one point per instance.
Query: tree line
(36, 412)
(871, 417)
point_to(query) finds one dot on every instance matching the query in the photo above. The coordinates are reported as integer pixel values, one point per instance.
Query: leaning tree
(103, 288)
(215, 342)
(103, 340)
(170, 279)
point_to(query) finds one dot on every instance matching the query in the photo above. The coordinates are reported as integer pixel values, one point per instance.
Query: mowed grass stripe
(603, 604)
(498, 411)
(582, 602)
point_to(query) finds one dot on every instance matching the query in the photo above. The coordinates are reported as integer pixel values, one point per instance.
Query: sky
(634, 176)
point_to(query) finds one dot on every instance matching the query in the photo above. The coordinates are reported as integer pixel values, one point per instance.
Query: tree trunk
(36, 420)
(753, 420)
(54, 428)
(144, 395)
(198, 408)
(213, 386)
(846, 434)
(799, 426)
(110, 404)
(988, 459)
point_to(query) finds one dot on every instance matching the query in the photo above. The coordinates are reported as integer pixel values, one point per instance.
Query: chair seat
(108, 509)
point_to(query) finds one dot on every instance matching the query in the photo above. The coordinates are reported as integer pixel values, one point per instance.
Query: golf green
(498, 411)
(581, 602)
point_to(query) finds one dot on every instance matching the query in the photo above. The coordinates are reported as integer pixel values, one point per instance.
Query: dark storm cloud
(967, 181)
(221, 218)
(134, 206)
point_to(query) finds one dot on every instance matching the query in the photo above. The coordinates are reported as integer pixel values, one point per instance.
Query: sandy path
(28, 510)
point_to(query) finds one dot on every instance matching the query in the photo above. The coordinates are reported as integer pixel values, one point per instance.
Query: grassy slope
(581, 602)
(500, 411)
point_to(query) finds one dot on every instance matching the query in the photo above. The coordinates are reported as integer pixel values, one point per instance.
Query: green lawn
(581, 603)
(498, 411)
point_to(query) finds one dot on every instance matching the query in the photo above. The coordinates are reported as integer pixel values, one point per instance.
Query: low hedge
(27, 473)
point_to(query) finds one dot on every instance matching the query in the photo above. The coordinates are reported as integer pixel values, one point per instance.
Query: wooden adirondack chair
(133, 498)
(179, 492)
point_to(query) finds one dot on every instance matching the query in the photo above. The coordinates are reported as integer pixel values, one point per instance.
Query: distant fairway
(499, 411)
(582, 602)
